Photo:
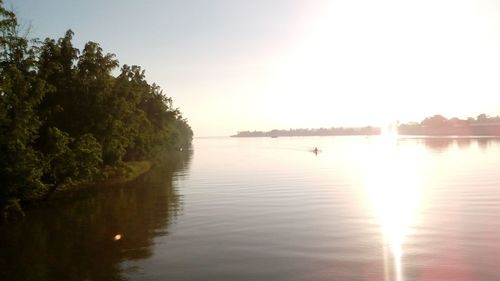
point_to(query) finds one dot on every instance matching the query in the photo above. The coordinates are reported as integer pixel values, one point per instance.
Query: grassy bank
(111, 176)
(126, 172)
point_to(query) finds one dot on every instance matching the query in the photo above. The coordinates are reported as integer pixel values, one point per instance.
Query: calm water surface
(364, 208)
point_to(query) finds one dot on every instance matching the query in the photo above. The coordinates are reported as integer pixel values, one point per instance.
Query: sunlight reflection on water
(393, 180)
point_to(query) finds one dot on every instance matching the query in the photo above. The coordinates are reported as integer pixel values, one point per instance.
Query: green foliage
(64, 116)
(87, 154)
(69, 161)
(59, 158)
(20, 93)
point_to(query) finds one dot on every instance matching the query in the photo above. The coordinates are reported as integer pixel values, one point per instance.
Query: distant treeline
(311, 132)
(437, 125)
(64, 116)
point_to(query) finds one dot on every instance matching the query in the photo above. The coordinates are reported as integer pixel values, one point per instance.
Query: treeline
(340, 131)
(64, 116)
(438, 125)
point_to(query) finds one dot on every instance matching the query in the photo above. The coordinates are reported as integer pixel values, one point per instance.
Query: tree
(21, 91)
(56, 66)
(436, 121)
(69, 161)
(482, 117)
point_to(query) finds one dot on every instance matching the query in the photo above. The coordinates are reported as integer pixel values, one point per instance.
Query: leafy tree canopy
(64, 116)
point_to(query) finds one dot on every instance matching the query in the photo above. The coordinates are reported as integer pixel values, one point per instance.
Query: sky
(234, 65)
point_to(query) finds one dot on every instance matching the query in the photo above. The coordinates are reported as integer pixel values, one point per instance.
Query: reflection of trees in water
(438, 144)
(74, 240)
(441, 144)
(485, 143)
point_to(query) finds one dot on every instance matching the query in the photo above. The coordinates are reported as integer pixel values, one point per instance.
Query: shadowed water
(363, 208)
(74, 239)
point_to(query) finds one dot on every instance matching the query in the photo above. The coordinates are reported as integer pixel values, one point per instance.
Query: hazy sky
(262, 64)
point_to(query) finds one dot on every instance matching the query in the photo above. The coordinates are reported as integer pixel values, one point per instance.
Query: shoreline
(134, 170)
(371, 135)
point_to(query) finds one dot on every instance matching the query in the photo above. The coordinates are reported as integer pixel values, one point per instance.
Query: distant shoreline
(436, 125)
(484, 132)
(311, 132)
(369, 135)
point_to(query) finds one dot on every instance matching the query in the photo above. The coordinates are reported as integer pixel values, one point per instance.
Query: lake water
(363, 208)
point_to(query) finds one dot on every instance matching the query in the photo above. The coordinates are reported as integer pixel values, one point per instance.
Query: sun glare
(392, 178)
(354, 66)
